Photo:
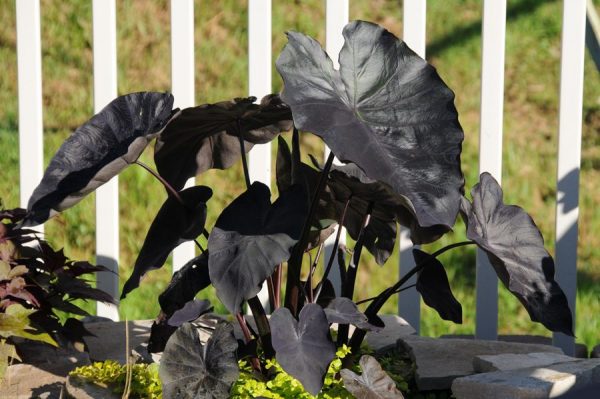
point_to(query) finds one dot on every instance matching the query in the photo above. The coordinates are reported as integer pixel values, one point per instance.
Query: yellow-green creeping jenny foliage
(144, 378)
(285, 386)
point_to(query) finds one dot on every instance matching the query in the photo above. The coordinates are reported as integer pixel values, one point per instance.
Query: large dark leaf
(185, 284)
(515, 248)
(303, 349)
(250, 238)
(374, 383)
(433, 284)
(99, 150)
(386, 110)
(206, 136)
(190, 370)
(174, 224)
(343, 311)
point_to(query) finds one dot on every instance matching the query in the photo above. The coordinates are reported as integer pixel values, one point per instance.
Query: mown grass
(454, 47)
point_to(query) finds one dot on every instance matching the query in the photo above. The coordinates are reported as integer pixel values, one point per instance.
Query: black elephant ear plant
(390, 118)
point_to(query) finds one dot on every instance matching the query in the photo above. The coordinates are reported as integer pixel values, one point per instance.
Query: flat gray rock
(513, 361)
(58, 361)
(24, 381)
(43, 371)
(109, 341)
(595, 352)
(530, 383)
(78, 388)
(395, 328)
(581, 350)
(440, 361)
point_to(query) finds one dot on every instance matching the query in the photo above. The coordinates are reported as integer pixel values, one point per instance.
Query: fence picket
(31, 125)
(259, 85)
(490, 151)
(183, 87)
(336, 17)
(569, 155)
(107, 196)
(414, 34)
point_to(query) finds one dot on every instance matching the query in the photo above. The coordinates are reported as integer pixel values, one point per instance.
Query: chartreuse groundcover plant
(389, 117)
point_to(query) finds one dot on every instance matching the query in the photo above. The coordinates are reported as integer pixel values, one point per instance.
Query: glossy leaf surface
(391, 102)
(207, 136)
(250, 238)
(515, 248)
(99, 150)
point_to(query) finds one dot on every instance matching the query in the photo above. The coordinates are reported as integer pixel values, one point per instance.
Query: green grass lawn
(454, 47)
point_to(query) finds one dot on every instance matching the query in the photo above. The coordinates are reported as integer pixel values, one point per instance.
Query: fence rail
(259, 31)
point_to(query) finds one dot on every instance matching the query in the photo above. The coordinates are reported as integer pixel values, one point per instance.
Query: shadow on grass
(465, 33)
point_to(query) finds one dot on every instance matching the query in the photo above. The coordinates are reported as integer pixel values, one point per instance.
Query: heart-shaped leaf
(185, 284)
(515, 248)
(190, 312)
(250, 238)
(207, 136)
(391, 102)
(99, 150)
(343, 311)
(174, 224)
(433, 284)
(190, 370)
(374, 383)
(303, 348)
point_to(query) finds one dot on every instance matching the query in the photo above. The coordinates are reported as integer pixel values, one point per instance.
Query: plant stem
(295, 156)
(271, 291)
(278, 278)
(350, 280)
(348, 287)
(386, 294)
(395, 292)
(243, 150)
(295, 262)
(165, 183)
(248, 337)
(262, 324)
(199, 246)
(308, 286)
(337, 241)
(244, 327)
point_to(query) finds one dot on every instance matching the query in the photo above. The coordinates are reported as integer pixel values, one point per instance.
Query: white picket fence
(259, 30)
